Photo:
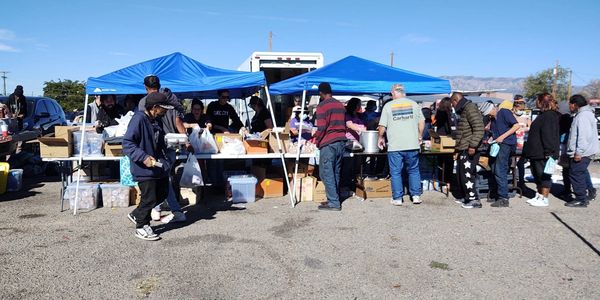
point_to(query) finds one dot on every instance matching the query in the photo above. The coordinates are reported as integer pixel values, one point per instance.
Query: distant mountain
(471, 83)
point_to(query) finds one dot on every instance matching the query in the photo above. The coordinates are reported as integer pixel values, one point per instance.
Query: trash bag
(203, 141)
(192, 175)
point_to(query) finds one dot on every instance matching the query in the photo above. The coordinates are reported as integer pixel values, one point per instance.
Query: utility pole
(392, 59)
(270, 41)
(555, 81)
(570, 85)
(4, 80)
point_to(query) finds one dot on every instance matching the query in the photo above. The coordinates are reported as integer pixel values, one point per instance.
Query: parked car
(43, 113)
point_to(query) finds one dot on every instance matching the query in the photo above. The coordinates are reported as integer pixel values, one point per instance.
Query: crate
(243, 188)
(115, 195)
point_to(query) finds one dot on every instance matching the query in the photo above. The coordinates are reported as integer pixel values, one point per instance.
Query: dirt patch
(286, 229)
(31, 216)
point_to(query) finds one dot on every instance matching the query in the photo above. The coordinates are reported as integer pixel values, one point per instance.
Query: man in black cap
(330, 138)
(17, 102)
(144, 144)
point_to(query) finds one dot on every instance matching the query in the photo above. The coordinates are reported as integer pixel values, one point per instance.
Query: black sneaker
(576, 204)
(591, 195)
(131, 218)
(472, 204)
(326, 207)
(500, 203)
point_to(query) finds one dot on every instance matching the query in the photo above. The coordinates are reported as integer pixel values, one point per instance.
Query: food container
(368, 139)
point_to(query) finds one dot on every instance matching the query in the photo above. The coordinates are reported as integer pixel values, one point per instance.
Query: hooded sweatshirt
(145, 137)
(583, 137)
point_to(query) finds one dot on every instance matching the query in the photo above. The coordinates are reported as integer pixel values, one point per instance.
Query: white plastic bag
(232, 146)
(203, 142)
(550, 166)
(123, 123)
(192, 175)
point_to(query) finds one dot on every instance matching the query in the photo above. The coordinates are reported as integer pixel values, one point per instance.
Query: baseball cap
(152, 81)
(157, 98)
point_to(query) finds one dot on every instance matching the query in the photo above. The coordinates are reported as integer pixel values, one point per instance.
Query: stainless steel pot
(368, 139)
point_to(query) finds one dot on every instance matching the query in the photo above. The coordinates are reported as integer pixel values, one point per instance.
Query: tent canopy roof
(179, 73)
(355, 75)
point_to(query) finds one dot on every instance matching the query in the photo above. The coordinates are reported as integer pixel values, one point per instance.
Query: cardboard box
(305, 187)
(135, 195)
(270, 188)
(319, 194)
(58, 144)
(374, 189)
(303, 168)
(273, 144)
(256, 146)
(219, 138)
(113, 150)
(440, 143)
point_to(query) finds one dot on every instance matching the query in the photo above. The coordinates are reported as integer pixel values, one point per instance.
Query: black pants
(578, 173)
(153, 192)
(466, 171)
(542, 180)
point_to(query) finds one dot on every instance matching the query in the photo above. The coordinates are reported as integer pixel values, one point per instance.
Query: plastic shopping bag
(125, 168)
(123, 123)
(203, 141)
(232, 146)
(494, 149)
(192, 175)
(550, 166)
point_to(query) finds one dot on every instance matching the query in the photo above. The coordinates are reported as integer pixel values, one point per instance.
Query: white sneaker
(155, 214)
(534, 199)
(174, 217)
(416, 200)
(146, 233)
(542, 202)
(397, 202)
(460, 200)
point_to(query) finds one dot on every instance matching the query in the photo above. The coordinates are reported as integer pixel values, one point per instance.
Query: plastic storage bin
(88, 196)
(92, 146)
(15, 180)
(243, 188)
(115, 195)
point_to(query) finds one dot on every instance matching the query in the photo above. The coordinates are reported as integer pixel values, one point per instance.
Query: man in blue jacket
(582, 146)
(144, 144)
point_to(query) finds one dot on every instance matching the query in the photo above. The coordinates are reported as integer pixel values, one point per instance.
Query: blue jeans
(330, 165)
(171, 198)
(578, 172)
(398, 160)
(500, 170)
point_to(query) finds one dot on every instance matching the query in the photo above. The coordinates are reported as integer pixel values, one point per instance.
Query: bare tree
(592, 89)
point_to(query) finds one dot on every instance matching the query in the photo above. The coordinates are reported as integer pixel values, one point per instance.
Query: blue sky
(50, 40)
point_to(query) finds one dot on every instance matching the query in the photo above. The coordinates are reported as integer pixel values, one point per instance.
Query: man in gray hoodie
(582, 146)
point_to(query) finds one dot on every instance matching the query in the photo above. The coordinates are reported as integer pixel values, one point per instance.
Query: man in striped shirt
(330, 139)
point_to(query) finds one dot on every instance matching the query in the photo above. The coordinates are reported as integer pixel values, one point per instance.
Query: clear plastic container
(92, 145)
(87, 198)
(77, 142)
(15, 180)
(115, 195)
(243, 188)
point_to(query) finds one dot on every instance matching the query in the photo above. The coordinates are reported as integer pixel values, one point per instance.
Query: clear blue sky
(67, 39)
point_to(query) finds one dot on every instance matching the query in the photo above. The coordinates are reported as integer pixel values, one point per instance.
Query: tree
(592, 89)
(69, 94)
(542, 83)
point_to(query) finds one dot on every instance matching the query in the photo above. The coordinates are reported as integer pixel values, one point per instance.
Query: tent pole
(80, 158)
(298, 148)
(280, 146)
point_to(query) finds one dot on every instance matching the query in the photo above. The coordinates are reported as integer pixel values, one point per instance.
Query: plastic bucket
(15, 180)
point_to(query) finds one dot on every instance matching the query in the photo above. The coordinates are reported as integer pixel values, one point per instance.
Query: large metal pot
(368, 139)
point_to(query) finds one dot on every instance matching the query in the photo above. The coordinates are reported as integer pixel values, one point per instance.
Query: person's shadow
(206, 208)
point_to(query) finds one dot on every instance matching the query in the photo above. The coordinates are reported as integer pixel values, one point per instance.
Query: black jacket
(17, 104)
(106, 117)
(544, 137)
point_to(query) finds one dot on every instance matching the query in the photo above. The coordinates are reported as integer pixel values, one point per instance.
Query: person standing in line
(524, 124)
(582, 146)
(330, 139)
(503, 127)
(17, 103)
(469, 133)
(542, 144)
(402, 119)
(144, 144)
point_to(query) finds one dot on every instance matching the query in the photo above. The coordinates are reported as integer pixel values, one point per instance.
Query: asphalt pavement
(269, 250)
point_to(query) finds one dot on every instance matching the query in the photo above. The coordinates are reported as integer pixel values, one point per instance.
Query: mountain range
(472, 83)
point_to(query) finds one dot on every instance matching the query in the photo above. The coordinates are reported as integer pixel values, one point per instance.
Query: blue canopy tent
(179, 73)
(183, 75)
(355, 75)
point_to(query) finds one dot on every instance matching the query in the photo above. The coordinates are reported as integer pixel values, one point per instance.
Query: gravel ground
(268, 250)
